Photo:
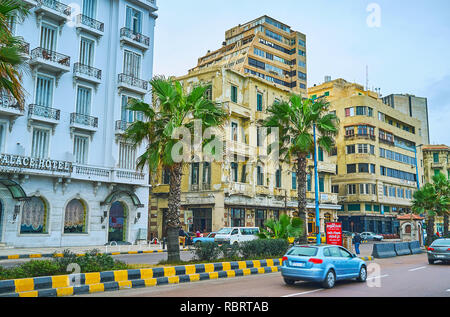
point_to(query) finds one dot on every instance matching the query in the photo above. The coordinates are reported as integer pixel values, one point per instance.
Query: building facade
(248, 186)
(375, 155)
(68, 178)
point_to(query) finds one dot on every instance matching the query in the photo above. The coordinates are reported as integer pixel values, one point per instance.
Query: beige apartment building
(248, 186)
(375, 157)
(435, 161)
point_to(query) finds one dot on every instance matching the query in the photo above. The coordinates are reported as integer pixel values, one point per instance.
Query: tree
(171, 110)
(12, 59)
(283, 228)
(432, 199)
(295, 121)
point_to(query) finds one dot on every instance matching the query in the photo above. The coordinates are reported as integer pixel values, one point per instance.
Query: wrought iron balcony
(87, 72)
(44, 112)
(54, 8)
(122, 126)
(9, 102)
(50, 61)
(90, 22)
(131, 37)
(133, 83)
(85, 120)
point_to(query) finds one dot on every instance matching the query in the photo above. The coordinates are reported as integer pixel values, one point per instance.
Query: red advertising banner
(334, 233)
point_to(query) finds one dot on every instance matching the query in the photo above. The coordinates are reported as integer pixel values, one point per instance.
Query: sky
(404, 43)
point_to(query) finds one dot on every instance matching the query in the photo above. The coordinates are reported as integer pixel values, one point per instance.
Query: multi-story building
(435, 161)
(69, 179)
(264, 48)
(248, 186)
(415, 107)
(375, 155)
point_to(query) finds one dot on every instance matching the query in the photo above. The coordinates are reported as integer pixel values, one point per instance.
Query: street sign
(334, 233)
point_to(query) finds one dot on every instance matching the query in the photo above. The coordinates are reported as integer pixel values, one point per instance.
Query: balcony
(83, 122)
(127, 177)
(388, 142)
(54, 10)
(107, 175)
(87, 73)
(121, 126)
(239, 148)
(237, 109)
(138, 40)
(9, 106)
(262, 190)
(128, 82)
(49, 60)
(241, 189)
(147, 4)
(361, 136)
(31, 3)
(90, 25)
(43, 114)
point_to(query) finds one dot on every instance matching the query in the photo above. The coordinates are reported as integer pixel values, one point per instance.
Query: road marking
(304, 293)
(419, 268)
(379, 276)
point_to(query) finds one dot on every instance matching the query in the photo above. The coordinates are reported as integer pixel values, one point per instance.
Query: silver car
(439, 250)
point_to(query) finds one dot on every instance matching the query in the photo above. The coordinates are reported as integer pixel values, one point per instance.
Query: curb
(60, 255)
(57, 286)
(367, 258)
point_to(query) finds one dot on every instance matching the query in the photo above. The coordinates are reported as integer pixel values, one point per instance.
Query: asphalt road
(406, 276)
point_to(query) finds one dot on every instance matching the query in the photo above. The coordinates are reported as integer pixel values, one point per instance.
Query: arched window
(34, 216)
(408, 229)
(75, 217)
(311, 223)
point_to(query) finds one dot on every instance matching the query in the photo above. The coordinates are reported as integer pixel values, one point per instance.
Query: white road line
(379, 276)
(291, 295)
(419, 268)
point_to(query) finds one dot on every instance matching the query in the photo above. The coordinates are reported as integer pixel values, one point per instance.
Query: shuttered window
(80, 149)
(83, 101)
(89, 8)
(48, 37)
(44, 91)
(86, 51)
(134, 20)
(40, 143)
(127, 156)
(131, 64)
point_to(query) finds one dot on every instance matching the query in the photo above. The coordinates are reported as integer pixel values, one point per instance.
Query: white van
(236, 235)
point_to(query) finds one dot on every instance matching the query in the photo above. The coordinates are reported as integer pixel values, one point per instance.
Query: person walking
(357, 242)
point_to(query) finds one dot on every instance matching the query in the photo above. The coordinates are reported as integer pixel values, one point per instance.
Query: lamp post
(316, 181)
(417, 167)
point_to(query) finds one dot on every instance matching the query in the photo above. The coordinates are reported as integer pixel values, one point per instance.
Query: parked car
(236, 235)
(209, 238)
(348, 233)
(323, 264)
(371, 236)
(439, 250)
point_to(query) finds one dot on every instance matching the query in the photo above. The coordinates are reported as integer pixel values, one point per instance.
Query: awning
(111, 198)
(15, 189)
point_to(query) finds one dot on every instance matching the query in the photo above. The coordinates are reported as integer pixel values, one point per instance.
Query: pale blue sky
(408, 53)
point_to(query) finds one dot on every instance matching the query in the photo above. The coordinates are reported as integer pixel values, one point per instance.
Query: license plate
(297, 264)
(440, 256)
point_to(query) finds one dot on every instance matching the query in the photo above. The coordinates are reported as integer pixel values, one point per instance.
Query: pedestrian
(357, 241)
(197, 234)
(182, 237)
(438, 235)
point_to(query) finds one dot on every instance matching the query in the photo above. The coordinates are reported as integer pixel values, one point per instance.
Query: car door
(336, 260)
(350, 264)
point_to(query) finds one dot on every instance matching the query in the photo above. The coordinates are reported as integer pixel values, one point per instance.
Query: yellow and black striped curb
(366, 258)
(60, 255)
(86, 283)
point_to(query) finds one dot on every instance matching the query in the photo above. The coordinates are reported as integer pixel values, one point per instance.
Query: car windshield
(224, 231)
(441, 242)
(303, 251)
(249, 231)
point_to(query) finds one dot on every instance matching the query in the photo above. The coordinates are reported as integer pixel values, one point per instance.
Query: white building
(67, 178)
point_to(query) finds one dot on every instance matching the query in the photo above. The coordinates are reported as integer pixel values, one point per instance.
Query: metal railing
(87, 70)
(9, 102)
(44, 111)
(90, 22)
(55, 5)
(83, 119)
(52, 56)
(133, 81)
(122, 125)
(138, 37)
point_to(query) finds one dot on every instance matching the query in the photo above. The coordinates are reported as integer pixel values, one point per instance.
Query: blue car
(324, 264)
(209, 238)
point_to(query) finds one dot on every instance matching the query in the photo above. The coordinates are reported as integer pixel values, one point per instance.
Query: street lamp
(417, 167)
(316, 177)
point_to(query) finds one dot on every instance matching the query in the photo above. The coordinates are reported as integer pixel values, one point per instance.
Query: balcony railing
(8, 102)
(83, 119)
(387, 141)
(361, 135)
(90, 22)
(55, 5)
(52, 56)
(87, 70)
(44, 111)
(133, 81)
(138, 37)
(122, 125)
(25, 48)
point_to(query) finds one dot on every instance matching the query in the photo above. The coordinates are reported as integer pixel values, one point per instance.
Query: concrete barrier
(402, 248)
(383, 250)
(414, 246)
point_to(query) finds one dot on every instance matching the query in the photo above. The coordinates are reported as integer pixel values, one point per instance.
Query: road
(406, 276)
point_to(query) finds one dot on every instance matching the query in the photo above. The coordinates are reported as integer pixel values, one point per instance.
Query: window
(351, 189)
(244, 174)
(294, 180)
(278, 178)
(206, 177)
(351, 168)
(75, 217)
(83, 101)
(372, 168)
(350, 149)
(131, 64)
(80, 149)
(372, 149)
(260, 218)
(89, 7)
(195, 173)
(361, 111)
(363, 168)
(436, 157)
(34, 216)
(86, 51)
(48, 37)
(259, 102)
(2, 136)
(234, 171)
(349, 112)
(40, 143)
(237, 217)
(335, 189)
(354, 207)
(234, 94)
(308, 182)
(321, 184)
(234, 131)
(363, 148)
(320, 154)
(350, 131)
(44, 91)
(127, 156)
(128, 115)
(166, 176)
(260, 176)
(134, 20)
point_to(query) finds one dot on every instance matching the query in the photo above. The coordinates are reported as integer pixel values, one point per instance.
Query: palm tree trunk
(301, 196)
(173, 216)
(430, 230)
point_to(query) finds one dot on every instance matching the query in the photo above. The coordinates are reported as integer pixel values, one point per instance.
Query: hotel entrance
(117, 222)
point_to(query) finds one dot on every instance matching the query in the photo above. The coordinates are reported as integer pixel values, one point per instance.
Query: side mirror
(354, 255)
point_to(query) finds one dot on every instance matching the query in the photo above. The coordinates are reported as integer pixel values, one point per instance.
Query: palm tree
(171, 110)
(442, 185)
(11, 49)
(283, 228)
(295, 121)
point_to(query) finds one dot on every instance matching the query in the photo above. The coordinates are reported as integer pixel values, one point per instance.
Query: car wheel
(362, 274)
(330, 280)
(430, 261)
(289, 281)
